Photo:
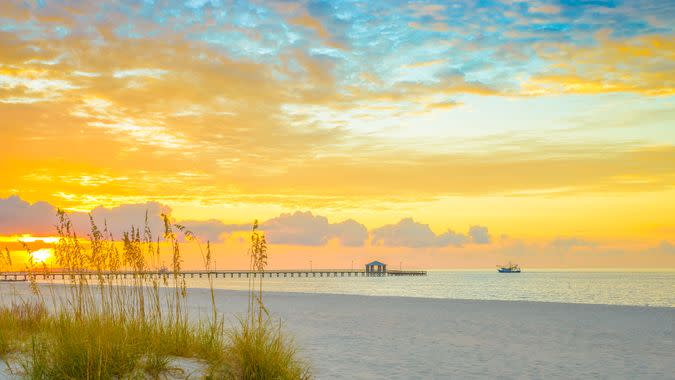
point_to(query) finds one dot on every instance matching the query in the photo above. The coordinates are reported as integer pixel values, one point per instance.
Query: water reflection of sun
(42, 255)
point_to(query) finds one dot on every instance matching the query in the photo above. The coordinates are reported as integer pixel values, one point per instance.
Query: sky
(446, 134)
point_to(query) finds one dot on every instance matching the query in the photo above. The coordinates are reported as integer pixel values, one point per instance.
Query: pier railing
(407, 272)
(280, 273)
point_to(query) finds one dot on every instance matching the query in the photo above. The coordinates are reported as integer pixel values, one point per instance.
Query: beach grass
(260, 351)
(137, 326)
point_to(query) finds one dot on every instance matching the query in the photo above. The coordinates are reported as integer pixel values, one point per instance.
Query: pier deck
(57, 274)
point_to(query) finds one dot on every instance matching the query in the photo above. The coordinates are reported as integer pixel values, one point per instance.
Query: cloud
(120, 218)
(641, 64)
(151, 73)
(452, 238)
(434, 11)
(569, 243)
(20, 217)
(430, 27)
(300, 16)
(300, 228)
(666, 247)
(350, 233)
(304, 228)
(151, 101)
(546, 9)
(408, 233)
(212, 230)
(446, 105)
(479, 235)
(422, 64)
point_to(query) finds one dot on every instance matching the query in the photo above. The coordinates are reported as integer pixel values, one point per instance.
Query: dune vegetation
(119, 321)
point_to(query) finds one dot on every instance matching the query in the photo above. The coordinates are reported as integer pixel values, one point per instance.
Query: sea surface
(605, 287)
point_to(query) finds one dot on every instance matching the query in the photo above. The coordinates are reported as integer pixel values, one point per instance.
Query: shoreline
(470, 300)
(354, 294)
(194, 289)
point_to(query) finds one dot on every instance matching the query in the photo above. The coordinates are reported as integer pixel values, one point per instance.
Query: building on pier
(376, 267)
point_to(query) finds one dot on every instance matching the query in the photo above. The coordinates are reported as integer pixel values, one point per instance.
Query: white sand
(345, 336)
(362, 337)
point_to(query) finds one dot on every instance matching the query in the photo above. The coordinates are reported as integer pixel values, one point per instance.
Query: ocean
(588, 287)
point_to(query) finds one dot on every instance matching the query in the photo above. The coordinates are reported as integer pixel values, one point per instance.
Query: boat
(510, 268)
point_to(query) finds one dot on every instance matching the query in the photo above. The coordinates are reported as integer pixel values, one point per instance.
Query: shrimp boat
(511, 268)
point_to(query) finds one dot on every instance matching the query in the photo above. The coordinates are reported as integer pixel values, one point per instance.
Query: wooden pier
(289, 273)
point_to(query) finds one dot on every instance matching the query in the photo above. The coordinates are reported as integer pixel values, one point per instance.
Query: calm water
(615, 288)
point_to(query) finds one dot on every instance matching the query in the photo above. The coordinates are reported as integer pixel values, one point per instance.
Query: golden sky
(441, 135)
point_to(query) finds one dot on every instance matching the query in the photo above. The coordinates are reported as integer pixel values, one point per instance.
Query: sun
(42, 255)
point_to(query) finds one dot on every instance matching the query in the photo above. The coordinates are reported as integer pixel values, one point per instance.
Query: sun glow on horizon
(28, 238)
(42, 255)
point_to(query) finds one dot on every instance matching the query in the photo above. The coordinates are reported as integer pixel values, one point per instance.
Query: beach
(365, 337)
(373, 337)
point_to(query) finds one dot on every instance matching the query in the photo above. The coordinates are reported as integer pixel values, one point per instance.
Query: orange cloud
(428, 10)
(442, 105)
(432, 27)
(545, 9)
(296, 14)
(421, 64)
(641, 64)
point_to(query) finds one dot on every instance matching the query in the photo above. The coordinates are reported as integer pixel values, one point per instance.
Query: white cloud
(151, 73)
